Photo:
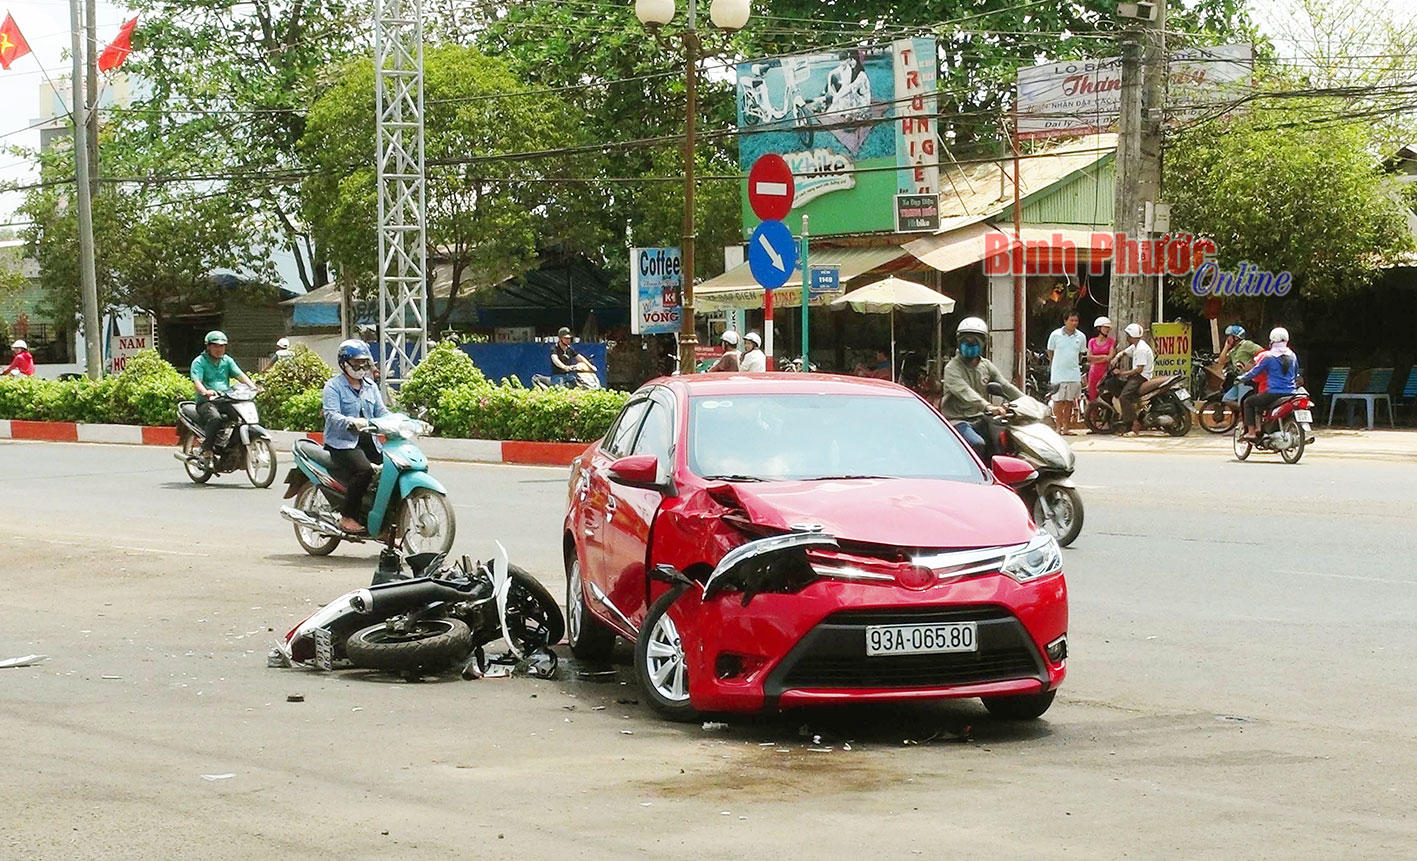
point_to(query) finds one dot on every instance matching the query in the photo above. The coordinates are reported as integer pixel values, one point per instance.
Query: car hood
(902, 512)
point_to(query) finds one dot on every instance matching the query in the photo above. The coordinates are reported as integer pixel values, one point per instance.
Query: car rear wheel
(659, 662)
(589, 638)
(1020, 706)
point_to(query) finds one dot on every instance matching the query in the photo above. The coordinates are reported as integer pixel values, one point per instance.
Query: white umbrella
(892, 294)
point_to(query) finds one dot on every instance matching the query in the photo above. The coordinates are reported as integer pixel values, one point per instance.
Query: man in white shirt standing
(754, 361)
(1143, 365)
(1065, 348)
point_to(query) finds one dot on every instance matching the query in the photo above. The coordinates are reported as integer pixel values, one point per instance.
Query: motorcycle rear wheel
(1218, 417)
(1296, 451)
(432, 644)
(192, 447)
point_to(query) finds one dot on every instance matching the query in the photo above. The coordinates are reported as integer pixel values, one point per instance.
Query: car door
(631, 512)
(597, 500)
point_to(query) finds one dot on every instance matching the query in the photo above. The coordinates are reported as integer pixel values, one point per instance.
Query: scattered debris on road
(217, 776)
(295, 698)
(26, 661)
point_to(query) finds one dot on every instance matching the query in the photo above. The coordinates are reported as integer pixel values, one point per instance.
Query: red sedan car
(780, 540)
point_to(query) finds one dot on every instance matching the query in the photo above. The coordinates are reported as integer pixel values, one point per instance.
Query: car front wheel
(659, 662)
(1020, 706)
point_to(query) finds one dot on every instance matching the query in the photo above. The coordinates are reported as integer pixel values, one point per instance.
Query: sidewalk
(1397, 445)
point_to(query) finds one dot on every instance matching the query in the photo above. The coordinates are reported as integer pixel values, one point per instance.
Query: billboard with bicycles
(856, 126)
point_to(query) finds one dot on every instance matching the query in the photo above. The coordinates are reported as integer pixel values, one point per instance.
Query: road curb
(437, 448)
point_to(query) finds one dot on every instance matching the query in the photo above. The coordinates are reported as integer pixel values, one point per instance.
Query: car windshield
(772, 437)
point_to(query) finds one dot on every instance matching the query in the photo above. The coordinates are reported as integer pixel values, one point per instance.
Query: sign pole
(767, 328)
(806, 296)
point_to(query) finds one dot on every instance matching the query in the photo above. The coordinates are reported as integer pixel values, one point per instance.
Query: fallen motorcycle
(434, 618)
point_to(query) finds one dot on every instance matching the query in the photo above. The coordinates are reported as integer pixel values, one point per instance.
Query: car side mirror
(995, 389)
(1012, 471)
(639, 470)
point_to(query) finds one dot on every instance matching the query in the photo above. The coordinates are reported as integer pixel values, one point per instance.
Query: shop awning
(737, 289)
(971, 244)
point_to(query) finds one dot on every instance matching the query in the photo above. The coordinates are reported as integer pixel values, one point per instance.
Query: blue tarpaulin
(522, 360)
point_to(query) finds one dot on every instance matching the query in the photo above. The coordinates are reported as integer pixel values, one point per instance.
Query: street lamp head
(730, 14)
(653, 13)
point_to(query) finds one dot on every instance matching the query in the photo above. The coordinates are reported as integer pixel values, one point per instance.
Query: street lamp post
(726, 15)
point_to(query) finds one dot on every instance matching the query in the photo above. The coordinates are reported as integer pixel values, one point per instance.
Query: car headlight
(1040, 557)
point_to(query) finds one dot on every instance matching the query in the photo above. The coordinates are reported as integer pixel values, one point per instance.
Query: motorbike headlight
(1040, 557)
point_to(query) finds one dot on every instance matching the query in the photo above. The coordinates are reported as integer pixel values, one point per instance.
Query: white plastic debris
(26, 661)
(714, 725)
(217, 776)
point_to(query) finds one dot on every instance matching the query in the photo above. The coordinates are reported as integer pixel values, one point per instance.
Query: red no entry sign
(770, 187)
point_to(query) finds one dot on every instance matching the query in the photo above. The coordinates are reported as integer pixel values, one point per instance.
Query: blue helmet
(1237, 331)
(353, 349)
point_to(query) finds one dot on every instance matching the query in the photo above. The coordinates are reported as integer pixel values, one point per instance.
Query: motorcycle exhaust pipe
(295, 515)
(391, 599)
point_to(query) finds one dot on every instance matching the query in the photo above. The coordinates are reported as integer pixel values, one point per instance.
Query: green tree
(487, 215)
(1275, 190)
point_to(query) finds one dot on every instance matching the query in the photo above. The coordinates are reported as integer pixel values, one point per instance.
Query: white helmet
(1278, 334)
(972, 324)
(729, 337)
(1133, 330)
(283, 344)
(19, 345)
(1100, 322)
(754, 337)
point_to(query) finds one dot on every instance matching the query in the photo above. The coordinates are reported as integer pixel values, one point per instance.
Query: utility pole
(91, 89)
(88, 278)
(1138, 162)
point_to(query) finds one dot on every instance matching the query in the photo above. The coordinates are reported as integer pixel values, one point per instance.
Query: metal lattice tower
(403, 264)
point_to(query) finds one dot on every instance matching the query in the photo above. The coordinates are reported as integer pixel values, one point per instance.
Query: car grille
(833, 654)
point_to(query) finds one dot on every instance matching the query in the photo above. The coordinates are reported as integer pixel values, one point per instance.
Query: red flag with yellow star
(12, 44)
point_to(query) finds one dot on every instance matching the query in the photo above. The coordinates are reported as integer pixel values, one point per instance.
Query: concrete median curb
(437, 448)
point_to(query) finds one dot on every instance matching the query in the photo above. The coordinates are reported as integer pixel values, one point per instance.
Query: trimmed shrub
(285, 383)
(301, 412)
(148, 390)
(445, 368)
(538, 415)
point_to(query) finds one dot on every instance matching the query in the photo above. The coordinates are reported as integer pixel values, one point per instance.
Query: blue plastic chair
(1379, 381)
(1333, 386)
(1409, 389)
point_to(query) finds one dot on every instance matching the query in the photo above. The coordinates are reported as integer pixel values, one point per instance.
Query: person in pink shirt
(23, 363)
(1099, 353)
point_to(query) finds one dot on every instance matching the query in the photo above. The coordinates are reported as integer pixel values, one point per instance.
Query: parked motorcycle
(430, 619)
(1285, 428)
(1050, 495)
(1038, 376)
(241, 443)
(1165, 405)
(1215, 414)
(404, 507)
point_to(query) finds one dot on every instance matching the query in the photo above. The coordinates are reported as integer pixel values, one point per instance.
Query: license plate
(921, 639)
(324, 652)
(1183, 394)
(1304, 416)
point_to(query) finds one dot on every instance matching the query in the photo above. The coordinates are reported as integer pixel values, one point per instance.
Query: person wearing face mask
(351, 400)
(966, 380)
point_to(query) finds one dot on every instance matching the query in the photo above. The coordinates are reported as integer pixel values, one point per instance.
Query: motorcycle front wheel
(261, 462)
(533, 618)
(1242, 445)
(1218, 417)
(431, 644)
(426, 523)
(1059, 510)
(1099, 417)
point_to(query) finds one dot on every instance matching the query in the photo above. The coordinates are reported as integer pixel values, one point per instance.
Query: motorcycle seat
(188, 410)
(1153, 384)
(314, 452)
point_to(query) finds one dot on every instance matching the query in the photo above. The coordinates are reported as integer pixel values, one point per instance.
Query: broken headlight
(1039, 558)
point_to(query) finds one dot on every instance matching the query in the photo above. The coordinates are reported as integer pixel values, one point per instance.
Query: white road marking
(156, 550)
(1354, 577)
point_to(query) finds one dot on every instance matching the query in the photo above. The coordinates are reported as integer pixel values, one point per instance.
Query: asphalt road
(1240, 685)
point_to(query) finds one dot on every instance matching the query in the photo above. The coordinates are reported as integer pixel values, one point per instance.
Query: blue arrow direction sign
(772, 254)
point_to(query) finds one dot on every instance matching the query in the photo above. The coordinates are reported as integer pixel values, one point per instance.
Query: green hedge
(459, 400)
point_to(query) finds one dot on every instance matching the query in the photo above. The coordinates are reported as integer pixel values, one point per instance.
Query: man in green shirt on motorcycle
(212, 373)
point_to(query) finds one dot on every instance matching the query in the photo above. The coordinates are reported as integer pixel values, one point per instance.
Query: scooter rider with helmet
(212, 373)
(966, 380)
(1278, 367)
(1239, 353)
(351, 400)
